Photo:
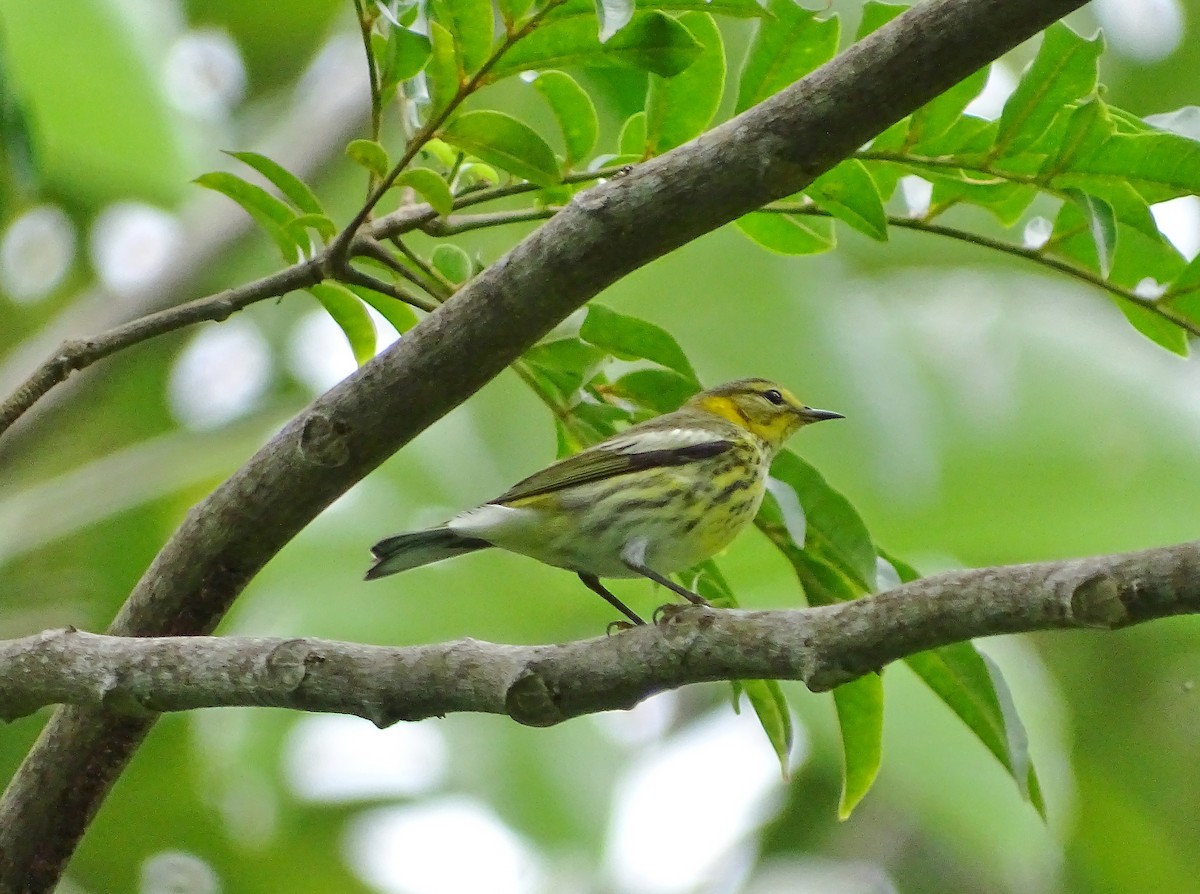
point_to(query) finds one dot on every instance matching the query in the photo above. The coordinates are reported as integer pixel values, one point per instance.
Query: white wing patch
(668, 439)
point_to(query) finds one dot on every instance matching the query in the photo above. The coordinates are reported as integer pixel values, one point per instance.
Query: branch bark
(771, 151)
(544, 685)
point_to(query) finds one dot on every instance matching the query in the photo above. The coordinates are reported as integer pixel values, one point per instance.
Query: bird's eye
(774, 397)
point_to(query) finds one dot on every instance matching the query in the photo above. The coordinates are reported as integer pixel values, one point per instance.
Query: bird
(656, 498)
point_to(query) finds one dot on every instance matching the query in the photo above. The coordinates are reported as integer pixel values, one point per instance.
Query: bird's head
(760, 406)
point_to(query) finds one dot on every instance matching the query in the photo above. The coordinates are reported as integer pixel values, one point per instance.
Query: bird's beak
(808, 414)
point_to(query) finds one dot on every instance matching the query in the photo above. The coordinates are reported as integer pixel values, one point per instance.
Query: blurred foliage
(996, 413)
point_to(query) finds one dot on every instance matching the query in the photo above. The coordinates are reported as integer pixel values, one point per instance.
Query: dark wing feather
(597, 464)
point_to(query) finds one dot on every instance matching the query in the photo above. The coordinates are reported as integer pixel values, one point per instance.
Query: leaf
(965, 682)
(431, 187)
(405, 53)
(787, 233)
(1160, 166)
(452, 262)
(473, 26)
(834, 531)
(270, 213)
(441, 73)
(350, 315)
(738, 9)
(511, 11)
(860, 717)
(371, 155)
(1064, 69)
(681, 107)
(659, 390)
(400, 315)
(875, 15)
(629, 338)
(632, 139)
(613, 15)
(1008, 201)
(935, 118)
(1087, 128)
(1102, 224)
(849, 194)
(574, 111)
(566, 364)
(771, 707)
(297, 228)
(652, 41)
(784, 50)
(505, 142)
(285, 181)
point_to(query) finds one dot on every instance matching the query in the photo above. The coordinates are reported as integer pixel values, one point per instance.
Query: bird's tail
(404, 551)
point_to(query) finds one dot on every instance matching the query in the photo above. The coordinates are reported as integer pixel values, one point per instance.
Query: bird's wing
(629, 452)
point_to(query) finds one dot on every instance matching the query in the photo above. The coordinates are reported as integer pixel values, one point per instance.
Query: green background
(994, 414)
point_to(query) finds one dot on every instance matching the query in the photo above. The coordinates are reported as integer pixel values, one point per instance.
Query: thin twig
(341, 245)
(373, 249)
(1028, 254)
(76, 354)
(439, 286)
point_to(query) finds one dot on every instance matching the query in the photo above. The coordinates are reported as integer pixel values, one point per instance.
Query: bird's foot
(619, 627)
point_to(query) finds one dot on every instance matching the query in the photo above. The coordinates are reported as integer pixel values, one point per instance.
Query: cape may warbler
(659, 497)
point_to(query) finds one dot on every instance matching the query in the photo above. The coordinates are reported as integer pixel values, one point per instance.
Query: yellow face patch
(727, 408)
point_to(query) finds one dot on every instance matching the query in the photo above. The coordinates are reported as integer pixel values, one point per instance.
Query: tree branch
(771, 151)
(543, 685)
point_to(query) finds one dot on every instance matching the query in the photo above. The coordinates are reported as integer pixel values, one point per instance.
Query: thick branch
(771, 151)
(543, 685)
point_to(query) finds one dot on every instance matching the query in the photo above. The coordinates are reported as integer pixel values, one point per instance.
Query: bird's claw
(618, 627)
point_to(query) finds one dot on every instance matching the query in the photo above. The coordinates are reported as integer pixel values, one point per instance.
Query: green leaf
(631, 338)
(473, 26)
(788, 234)
(681, 107)
(512, 11)
(737, 9)
(574, 111)
(1008, 201)
(350, 315)
(270, 213)
(849, 194)
(505, 142)
(860, 716)
(875, 15)
(613, 15)
(452, 262)
(784, 50)
(297, 229)
(658, 390)
(441, 73)
(403, 55)
(566, 364)
(1102, 224)
(431, 187)
(1137, 256)
(400, 315)
(968, 684)
(934, 119)
(1064, 70)
(652, 41)
(834, 531)
(1160, 166)
(632, 139)
(285, 181)
(1087, 128)
(371, 155)
(770, 704)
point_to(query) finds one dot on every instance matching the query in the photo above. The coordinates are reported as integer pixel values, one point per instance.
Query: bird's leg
(634, 557)
(593, 583)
